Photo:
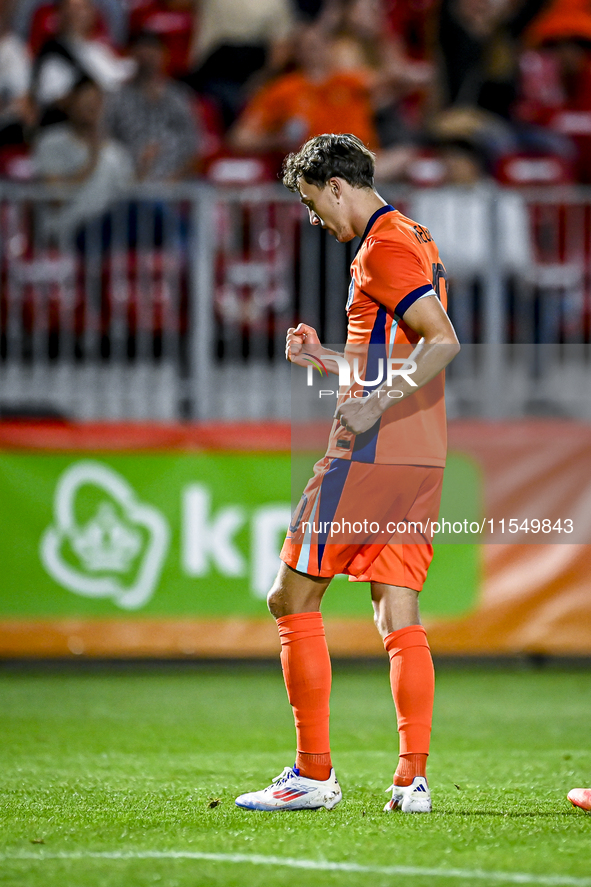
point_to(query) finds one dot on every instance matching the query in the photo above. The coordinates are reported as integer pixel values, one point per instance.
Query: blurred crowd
(105, 92)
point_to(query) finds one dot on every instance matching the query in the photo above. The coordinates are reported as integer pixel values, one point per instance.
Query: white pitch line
(311, 864)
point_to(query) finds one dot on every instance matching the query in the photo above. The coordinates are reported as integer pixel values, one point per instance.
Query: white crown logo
(121, 550)
(106, 543)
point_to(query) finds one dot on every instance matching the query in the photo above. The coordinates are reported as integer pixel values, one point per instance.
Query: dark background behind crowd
(104, 92)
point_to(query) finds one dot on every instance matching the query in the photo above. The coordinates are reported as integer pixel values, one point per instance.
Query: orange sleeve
(394, 276)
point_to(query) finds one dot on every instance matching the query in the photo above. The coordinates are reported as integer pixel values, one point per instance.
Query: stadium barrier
(172, 305)
(142, 540)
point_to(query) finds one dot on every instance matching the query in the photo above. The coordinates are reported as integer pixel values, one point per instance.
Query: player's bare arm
(303, 340)
(428, 318)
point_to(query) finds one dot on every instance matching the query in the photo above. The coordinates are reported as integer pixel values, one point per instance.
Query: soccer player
(580, 797)
(384, 460)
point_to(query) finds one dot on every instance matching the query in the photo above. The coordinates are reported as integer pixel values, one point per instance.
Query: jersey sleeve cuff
(412, 297)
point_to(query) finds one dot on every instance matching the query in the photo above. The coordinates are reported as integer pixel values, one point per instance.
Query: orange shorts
(368, 521)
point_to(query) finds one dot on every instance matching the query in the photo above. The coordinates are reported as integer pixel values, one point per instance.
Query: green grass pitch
(129, 764)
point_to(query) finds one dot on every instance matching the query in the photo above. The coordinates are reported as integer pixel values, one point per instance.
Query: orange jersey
(397, 264)
(340, 103)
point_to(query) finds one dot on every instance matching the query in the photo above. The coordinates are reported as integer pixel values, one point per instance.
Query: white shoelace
(286, 774)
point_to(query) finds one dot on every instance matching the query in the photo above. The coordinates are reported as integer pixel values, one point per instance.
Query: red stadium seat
(209, 123)
(426, 170)
(16, 163)
(521, 170)
(229, 169)
(175, 28)
(44, 26)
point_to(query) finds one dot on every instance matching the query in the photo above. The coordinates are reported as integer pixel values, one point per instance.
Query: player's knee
(274, 602)
(380, 623)
(285, 601)
(379, 616)
(376, 621)
(278, 600)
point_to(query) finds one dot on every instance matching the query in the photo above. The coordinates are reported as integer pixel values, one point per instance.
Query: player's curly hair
(333, 154)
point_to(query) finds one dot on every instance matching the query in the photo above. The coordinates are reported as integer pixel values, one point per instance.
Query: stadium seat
(43, 25)
(522, 170)
(16, 163)
(209, 125)
(229, 169)
(426, 171)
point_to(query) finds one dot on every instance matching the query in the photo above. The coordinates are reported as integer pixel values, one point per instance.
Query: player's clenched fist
(299, 340)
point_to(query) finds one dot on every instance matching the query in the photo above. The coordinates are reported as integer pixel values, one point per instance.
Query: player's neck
(366, 204)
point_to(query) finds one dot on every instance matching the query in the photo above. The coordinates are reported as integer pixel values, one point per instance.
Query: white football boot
(580, 797)
(290, 791)
(413, 798)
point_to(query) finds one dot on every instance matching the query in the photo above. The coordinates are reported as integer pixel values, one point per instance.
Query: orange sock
(307, 673)
(413, 686)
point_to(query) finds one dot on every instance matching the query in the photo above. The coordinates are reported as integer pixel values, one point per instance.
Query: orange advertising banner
(533, 597)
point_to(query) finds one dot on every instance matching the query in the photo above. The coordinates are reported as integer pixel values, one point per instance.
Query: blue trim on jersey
(330, 496)
(405, 303)
(388, 208)
(364, 449)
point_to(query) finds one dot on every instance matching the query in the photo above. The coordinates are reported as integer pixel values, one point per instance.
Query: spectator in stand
(153, 116)
(556, 78)
(235, 41)
(77, 152)
(480, 50)
(313, 99)
(15, 80)
(364, 42)
(74, 53)
(37, 20)
(306, 102)
(174, 21)
(480, 44)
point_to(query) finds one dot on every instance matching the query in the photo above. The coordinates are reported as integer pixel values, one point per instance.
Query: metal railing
(173, 304)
